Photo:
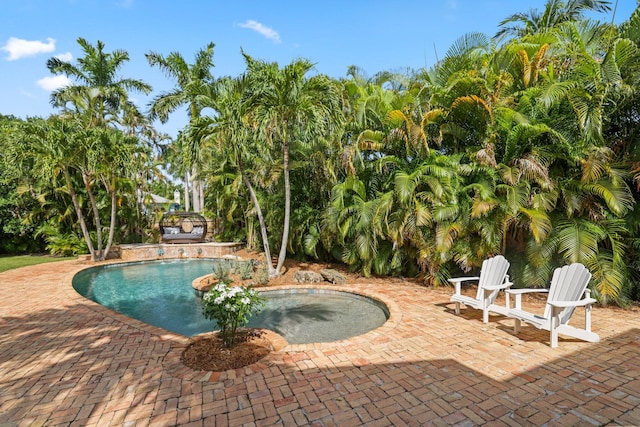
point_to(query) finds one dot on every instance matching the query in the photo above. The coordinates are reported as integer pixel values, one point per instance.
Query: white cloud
(54, 82)
(66, 57)
(269, 33)
(19, 48)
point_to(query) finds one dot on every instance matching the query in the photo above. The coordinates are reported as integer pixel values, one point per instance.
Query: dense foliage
(525, 144)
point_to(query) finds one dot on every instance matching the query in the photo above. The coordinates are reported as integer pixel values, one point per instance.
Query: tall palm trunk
(186, 192)
(96, 213)
(111, 190)
(195, 191)
(112, 223)
(201, 194)
(263, 226)
(195, 186)
(287, 208)
(79, 214)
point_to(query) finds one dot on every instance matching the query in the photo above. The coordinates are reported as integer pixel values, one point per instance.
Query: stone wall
(150, 251)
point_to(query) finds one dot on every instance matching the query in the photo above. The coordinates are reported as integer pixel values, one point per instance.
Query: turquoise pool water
(160, 293)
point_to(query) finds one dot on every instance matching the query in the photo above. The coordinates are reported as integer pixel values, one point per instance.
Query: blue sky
(376, 35)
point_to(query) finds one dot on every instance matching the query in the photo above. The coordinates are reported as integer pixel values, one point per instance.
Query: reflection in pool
(160, 293)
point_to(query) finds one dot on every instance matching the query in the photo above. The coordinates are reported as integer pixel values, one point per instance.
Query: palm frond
(617, 198)
(539, 223)
(608, 278)
(578, 240)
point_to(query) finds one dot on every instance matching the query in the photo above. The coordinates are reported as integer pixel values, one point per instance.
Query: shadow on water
(299, 324)
(328, 318)
(297, 314)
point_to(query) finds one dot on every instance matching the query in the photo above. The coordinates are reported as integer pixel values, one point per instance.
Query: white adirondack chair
(493, 277)
(568, 290)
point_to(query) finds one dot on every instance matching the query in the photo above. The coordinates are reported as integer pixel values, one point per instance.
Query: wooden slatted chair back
(567, 284)
(492, 273)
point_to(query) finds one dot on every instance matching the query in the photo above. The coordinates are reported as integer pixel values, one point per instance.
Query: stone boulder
(333, 276)
(304, 276)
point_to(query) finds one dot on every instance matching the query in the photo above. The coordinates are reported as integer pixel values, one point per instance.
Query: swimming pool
(160, 293)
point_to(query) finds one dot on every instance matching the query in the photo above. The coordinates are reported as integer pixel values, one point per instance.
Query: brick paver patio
(67, 361)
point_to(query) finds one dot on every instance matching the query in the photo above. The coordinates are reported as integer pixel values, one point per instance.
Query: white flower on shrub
(230, 307)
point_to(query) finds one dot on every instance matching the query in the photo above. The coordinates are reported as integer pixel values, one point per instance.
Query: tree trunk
(186, 192)
(76, 206)
(263, 226)
(195, 191)
(112, 222)
(201, 194)
(96, 213)
(287, 208)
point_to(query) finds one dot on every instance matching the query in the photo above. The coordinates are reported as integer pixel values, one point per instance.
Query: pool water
(160, 293)
(304, 316)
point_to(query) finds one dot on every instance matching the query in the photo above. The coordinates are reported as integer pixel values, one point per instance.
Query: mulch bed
(207, 352)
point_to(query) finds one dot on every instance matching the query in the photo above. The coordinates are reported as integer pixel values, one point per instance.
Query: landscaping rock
(333, 276)
(304, 276)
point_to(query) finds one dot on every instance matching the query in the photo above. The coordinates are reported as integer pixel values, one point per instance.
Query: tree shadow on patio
(83, 364)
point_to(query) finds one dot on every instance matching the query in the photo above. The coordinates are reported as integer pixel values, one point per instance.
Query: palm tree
(290, 108)
(366, 105)
(86, 159)
(232, 139)
(555, 12)
(191, 82)
(96, 93)
(355, 221)
(96, 99)
(424, 221)
(366, 102)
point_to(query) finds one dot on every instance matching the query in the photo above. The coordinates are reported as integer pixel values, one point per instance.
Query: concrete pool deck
(67, 361)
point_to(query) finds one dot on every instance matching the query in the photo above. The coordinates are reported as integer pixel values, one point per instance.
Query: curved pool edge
(70, 291)
(363, 290)
(391, 323)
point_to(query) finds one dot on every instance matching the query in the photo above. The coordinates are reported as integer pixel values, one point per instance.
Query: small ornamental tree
(231, 307)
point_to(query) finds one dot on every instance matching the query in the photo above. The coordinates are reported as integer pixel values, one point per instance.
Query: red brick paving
(67, 361)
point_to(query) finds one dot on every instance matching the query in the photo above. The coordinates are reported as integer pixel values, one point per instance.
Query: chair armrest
(526, 291)
(580, 303)
(503, 285)
(518, 294)
(462, 279)
(457, 282)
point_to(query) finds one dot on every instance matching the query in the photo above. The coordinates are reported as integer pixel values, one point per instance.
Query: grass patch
(9, 262)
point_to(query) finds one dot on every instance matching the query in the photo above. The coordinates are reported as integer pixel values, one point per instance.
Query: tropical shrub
(230, 307)
(60, 242)
(221, 271)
